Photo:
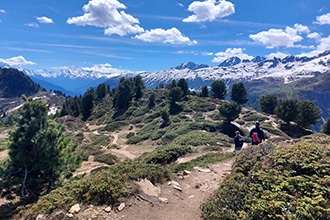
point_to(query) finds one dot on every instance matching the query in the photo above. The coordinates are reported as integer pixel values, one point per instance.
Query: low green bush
(157, 134)
(102, 188)
(166, 155)
(268, 127)
(115, 125)
(254, 116)
(141, 111)
(274, 182)
(198, 138)
(202, 161)
(198, 116)
(106, 158)
(201, 105)
(152, 116)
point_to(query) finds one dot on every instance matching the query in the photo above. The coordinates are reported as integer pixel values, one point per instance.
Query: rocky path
(177, 199)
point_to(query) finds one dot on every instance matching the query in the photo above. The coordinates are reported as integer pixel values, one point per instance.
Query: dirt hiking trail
(177, 199)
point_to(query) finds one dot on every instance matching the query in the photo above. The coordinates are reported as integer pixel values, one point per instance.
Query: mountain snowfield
(289, 68)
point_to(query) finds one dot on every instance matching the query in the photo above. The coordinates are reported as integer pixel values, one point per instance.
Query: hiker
(257, 134)
(238, 141)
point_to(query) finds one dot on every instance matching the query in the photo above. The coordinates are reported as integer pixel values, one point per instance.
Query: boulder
(75, 209)
(121, 206)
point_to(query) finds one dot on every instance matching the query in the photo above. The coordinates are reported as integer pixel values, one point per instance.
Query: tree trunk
(24, 183)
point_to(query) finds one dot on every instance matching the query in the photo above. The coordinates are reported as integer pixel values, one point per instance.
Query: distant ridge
(14, 83)
(290, 69)
(76, 80)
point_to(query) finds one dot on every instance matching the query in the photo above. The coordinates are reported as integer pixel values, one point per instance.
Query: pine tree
(218, 89)
(123, 94)
(287, 110)
(101, 91)
(204, 92)
(308, 115)
(151, 102)
(183, 84)
(326, 127)
(230, 111)
(174, 96)
(36, 151)
(166, 118)
(268, 103)
(238, 93)
(139, 87)
(87, 104)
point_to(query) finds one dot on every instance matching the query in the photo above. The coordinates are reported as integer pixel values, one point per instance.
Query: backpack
(255, 137)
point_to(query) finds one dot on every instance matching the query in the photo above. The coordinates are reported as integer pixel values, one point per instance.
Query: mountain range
(75, 80)
(289, 77)
(289, 69)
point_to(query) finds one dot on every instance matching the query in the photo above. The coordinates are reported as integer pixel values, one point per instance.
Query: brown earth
(164, 201)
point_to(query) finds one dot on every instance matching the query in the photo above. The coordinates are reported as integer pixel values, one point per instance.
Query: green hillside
(14, 83)
(276, 181)
(132, 134)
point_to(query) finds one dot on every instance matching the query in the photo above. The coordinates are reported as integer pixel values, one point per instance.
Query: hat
(257, 123)
(236, 132)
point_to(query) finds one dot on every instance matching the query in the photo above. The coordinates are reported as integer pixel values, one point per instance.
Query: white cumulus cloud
(314, 35)
(277, 55)
(171, 36)
(209, 10)
(279, 37)
(301, 28)
(230, 52)
(324, 44)
(107, 14)
(104, 70)
(2, 11)
(16, 61)
(323, 19)
(32, 24)
(45, 20)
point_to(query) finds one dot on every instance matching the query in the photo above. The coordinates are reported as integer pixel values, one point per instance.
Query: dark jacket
(238, 141)
(260, 133)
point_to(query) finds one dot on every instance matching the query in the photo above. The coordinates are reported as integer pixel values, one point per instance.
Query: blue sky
(153, 35)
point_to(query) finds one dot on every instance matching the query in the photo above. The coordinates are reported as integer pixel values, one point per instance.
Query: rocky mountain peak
(190, 66)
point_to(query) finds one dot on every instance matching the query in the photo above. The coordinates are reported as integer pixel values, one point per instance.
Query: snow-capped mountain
(290, 69)
(191, 66)
(76, 80)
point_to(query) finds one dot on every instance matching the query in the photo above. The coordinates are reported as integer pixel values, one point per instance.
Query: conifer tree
(123, 94)
(87, 104)
(175, 95)
(39, 155)
(238, 93)
(230, 111)
(218, 89)
(204, 92)
(287, 110)
(268, 103)
(308, 115)
(151, 102)
(138, 86)
(326, 127)
(183, 84)
(101, 91)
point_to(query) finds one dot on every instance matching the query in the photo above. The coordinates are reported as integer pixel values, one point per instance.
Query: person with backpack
(238, 141)
(257, 134)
